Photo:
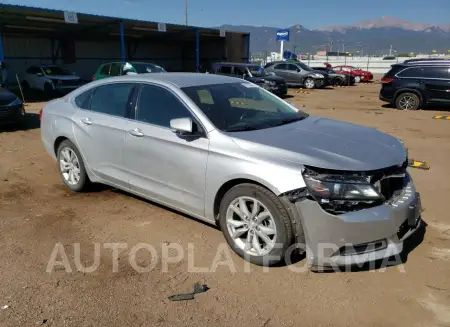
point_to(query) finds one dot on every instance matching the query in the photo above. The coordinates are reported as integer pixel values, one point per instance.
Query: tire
(276, 227)
(26, 86)
(357, 79)
(83, 182)
(338, 81)
(407, 101)
(48, 89)
(309, 83)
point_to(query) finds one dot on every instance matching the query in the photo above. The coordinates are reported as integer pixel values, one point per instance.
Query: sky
(278, 13)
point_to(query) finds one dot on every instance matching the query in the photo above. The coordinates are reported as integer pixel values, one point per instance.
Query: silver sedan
(226, 151)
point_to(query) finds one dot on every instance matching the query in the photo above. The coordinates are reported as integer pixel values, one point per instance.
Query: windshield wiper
(242, 129)
(288, 121)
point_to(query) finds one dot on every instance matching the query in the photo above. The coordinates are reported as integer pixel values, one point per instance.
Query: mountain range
(373, 36)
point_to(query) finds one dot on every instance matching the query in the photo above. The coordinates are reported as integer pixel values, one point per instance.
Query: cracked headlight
(326, 187)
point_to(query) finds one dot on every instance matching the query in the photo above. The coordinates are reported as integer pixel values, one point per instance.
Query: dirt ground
(37, 212)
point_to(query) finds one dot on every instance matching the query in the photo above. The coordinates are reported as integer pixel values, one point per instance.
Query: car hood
(6, 97)
(64, 77)
(325, 143)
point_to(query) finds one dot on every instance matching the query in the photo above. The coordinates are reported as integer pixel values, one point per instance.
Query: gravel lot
(37, 212)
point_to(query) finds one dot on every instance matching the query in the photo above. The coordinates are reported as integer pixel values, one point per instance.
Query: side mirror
(181, 125)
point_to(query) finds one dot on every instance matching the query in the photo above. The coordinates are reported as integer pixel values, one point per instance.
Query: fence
(375, 65)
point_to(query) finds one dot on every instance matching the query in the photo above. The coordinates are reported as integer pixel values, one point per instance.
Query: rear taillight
(93, 78)
(387, 80)
(40, 114)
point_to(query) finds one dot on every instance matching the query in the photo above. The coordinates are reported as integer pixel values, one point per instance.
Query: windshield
(257, 71)
(55, 70)
(142, 68)
(303, 66)
(235, 107)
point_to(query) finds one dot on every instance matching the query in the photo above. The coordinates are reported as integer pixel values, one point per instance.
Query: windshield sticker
(249, 85)
(48, 71)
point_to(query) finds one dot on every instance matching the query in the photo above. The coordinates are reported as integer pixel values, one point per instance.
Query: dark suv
(411, 85)
(252, 73)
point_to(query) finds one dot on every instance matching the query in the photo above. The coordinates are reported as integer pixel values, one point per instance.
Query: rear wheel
(71, 167)
(338, 81)
(407, 101)
(309, 83)
(255, 224)
(357, 79)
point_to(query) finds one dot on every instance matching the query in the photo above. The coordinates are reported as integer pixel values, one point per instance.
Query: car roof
(426, 62)
(177, 79)
(238, 64)
(129, 62)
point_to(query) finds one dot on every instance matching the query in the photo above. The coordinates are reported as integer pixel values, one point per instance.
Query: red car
(360, 75)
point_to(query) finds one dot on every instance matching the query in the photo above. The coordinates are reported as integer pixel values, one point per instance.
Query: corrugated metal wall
(21, 52)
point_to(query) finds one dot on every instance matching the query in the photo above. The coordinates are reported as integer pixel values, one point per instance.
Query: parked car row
(53, 78)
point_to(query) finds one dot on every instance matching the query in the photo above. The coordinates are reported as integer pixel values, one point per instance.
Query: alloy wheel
(69, 166)
(251, 226)
(407, 102)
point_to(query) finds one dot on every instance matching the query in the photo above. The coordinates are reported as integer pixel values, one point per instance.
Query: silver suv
(230, 153)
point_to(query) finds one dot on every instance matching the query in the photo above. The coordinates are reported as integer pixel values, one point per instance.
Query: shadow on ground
(29, 122)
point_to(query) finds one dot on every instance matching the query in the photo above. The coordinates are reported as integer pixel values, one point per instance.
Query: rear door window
(425, 72)
(281, 67)
(292, 67)
(436, 72)
(115, 69)
(84, 99)
(105, 69)
(240, 71)
(112, 99)
(224, 70)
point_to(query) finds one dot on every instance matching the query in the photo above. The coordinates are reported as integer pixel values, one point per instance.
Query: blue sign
(283, 35)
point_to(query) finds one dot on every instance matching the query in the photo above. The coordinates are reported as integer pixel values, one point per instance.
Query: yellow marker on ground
(442, 117)
(418, 164)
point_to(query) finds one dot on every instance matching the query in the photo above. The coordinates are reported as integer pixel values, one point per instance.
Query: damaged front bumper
(358, 237)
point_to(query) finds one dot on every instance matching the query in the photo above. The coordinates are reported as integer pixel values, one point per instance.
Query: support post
(2, 57)
(122, 42)
(281, 49)
(197, 50)
(247, 47)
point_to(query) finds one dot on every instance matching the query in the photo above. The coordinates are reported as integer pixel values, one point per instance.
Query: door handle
(136, 132)
(86, 121)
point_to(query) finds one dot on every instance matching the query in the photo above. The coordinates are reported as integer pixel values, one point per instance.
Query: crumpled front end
(344, 229)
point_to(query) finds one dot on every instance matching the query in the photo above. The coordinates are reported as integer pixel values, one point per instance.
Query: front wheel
(310, 83)
(357, 79)
(48, 89)
(71, 167)
(255, 224)
(407, 101)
